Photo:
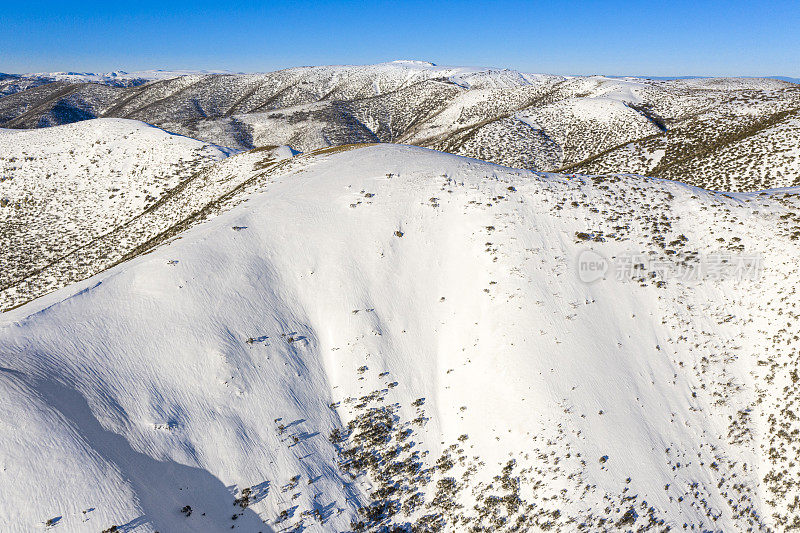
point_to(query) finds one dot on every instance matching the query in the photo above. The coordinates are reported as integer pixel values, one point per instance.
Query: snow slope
(62, 188)
(389, 328)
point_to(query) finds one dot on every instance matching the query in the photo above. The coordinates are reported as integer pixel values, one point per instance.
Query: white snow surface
(64, 186)
(161, 382)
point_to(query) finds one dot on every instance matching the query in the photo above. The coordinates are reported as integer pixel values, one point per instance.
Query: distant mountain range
(297, 342)
(667, 78)
(158, 74)
(721, 133)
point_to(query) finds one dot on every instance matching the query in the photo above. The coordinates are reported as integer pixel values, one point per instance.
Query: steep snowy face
(392, 335)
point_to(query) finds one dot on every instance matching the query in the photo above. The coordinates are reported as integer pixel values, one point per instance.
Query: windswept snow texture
(677, 129)
(390, 335)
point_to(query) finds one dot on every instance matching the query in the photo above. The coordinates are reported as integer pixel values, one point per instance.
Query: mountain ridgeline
(734, 134)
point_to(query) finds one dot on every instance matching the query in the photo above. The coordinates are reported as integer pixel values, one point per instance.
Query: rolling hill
(76, 198)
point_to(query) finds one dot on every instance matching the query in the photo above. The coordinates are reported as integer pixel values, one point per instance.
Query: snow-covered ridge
(121, 77)
(465, 76)
(675, 129)
(64, 187)
(452, 72)
(351, 303)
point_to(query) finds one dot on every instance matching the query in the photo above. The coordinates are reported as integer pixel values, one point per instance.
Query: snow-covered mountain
(676, 129)
(311, 300)
(117, 78)
(388, 336)
(76, 199)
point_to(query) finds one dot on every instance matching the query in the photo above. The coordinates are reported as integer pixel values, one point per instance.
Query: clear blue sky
(737, 37)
